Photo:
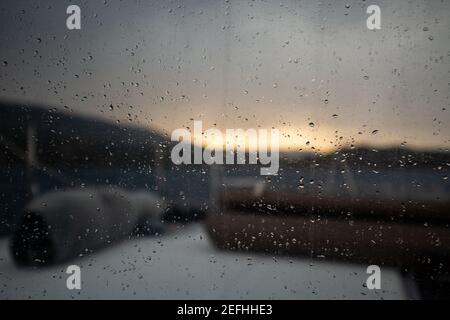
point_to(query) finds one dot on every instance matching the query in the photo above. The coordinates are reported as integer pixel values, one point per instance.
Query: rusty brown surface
(378, 231)
(297, 204)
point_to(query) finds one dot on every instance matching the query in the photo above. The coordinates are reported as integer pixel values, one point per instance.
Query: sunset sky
(311, 69)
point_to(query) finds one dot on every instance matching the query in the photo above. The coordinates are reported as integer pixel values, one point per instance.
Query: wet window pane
(224, 149)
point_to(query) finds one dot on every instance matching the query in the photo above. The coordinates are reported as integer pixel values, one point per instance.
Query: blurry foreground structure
(45, 150)
(386, 207)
